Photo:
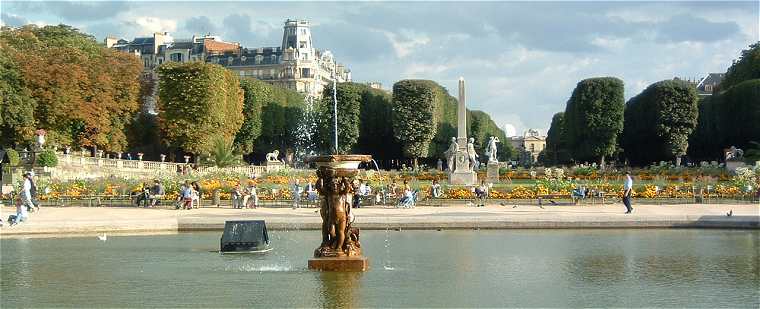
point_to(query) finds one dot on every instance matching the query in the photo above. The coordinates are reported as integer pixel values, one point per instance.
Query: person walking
(29, 192)
(297, 194)
(186, 195)
(628, 190)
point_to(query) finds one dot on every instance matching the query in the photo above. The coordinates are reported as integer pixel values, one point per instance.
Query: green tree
(16, 105)
(555, 152)
(349, 107)
(198, 102)
(661, 117)
(594, 118)
(739, 114)
(255, 96)
(414, 121)
(746, 68)
(705, 143)
(84, 92)
(375, 135)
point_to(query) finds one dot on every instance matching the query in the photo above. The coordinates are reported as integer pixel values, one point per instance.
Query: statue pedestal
(733, 165)
(348, 263)
(492, 172)
(463, 178)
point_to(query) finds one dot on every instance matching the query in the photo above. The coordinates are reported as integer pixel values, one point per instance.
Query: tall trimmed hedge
(594, 118)
(739, 114)
(658, 122)
(414, 111)
(198, 102)
(375, 132)
(282, 110)
(556, 151)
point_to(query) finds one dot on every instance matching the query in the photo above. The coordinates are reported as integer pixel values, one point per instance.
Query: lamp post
(335, 106)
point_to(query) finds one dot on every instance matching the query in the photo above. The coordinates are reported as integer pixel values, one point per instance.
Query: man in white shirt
(628, 187)
(29, 190)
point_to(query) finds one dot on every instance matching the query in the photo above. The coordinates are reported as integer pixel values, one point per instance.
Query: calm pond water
(485, 268)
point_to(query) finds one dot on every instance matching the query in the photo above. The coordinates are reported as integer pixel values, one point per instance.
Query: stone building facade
(529, 145)
(296, 64)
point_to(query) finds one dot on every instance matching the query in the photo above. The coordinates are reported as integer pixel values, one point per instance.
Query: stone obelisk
(463, 174)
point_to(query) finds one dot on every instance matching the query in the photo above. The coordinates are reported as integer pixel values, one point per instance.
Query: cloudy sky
(521, 60)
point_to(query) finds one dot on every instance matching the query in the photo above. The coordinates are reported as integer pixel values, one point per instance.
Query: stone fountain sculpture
(340, 249)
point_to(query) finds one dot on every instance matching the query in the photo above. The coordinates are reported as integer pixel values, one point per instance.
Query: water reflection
(338, 289)
(669, 268)
(597, 268)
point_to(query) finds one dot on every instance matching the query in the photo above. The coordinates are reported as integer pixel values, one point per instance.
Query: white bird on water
(103, 237)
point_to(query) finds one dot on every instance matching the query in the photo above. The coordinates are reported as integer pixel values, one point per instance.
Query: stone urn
(340, 249)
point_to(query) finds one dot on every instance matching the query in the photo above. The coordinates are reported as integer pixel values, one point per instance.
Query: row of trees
(59, 79)
(664, 122)
(416, 120)
(86, 95)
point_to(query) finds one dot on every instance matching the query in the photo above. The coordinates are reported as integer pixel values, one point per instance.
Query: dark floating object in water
(730, 213)
(248, 236)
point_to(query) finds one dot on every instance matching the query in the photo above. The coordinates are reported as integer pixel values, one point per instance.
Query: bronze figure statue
(338, 238)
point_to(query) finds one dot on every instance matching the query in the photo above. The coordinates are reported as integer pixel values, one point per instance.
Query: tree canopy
(662, 117)
(556, 152)
(349, 107)
(594, 118)
(198, 103)
(414, 121)
(85, 94)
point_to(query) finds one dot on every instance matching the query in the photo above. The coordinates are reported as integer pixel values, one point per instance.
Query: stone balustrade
(79, 167)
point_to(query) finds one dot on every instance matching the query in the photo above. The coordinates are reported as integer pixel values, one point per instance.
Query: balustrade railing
(135, 168)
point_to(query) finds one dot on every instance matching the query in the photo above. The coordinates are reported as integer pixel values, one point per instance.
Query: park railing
(78, 167)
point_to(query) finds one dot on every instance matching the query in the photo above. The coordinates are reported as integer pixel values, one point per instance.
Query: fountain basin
(346, 162)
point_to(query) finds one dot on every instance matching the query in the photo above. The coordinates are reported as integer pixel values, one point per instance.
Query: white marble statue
(451, 153)
(272, 156)
(491, 149)
(473, 156)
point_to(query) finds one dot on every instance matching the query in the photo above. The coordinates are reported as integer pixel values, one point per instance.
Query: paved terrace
(60, 221)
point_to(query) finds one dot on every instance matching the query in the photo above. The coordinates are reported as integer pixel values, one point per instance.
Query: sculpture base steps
(350, 263)
(463, 178)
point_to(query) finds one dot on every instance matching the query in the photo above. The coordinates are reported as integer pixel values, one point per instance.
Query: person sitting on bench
(156, 193)
(481, 193)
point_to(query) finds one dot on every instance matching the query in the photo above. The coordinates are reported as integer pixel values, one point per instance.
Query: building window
(302, 44)
(274, 58)
(305, 56)
(259, 58)
(303, 31)
(305, 73)
(708, 88)
(175, 57)
(242, 58)
(532, 148)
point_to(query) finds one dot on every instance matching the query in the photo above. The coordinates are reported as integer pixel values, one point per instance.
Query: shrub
(47, 158)
(13, 156)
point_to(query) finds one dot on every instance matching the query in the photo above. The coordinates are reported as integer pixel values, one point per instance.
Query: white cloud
(510, 130)
(147, 25)
(424, 70)
(406, 42)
